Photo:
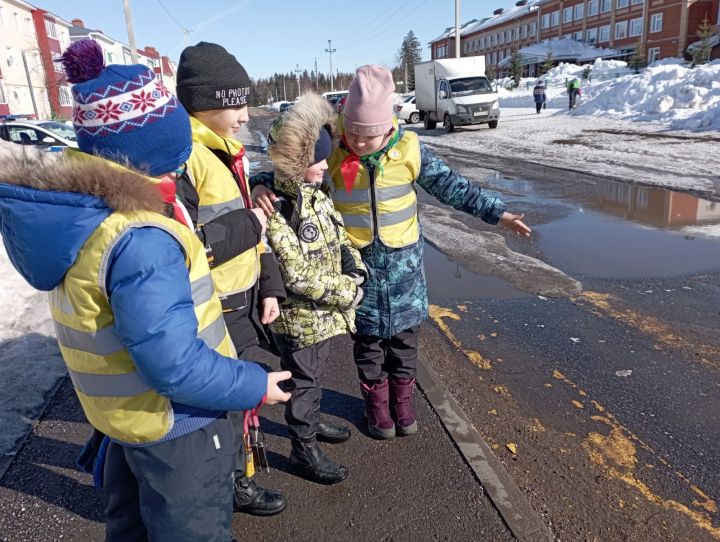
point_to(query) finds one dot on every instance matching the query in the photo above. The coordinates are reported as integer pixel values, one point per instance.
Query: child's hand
(262, 218)
(263, 198)
(514, 223)
(270, 310)
(274, 394)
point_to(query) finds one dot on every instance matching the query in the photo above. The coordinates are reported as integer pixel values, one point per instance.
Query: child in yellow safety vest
(375, 171)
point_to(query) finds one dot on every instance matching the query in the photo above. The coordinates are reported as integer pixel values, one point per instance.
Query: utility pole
(131, 32)
(331, 51)
(30, 85)
(457, 28)
(284, 91)
(317, 77)
(298, 71)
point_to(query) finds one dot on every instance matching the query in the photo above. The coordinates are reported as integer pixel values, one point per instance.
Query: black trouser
(302, 411)
(179, 490)
(572, 94)
(538, 106)
(377, 357)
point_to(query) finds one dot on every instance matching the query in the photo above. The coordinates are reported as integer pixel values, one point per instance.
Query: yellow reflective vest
(387, 206)
(219, 194)
(114, 398)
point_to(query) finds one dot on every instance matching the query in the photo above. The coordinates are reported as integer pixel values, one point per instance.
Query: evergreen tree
(701, 53)
(491, 72)
(410, 53)
(547, 65)
(516, 67)
(637, 60)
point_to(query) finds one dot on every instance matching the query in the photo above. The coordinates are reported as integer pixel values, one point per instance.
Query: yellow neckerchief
(205, 136)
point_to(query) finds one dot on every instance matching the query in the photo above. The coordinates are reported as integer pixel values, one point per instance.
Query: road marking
(437, 314)
(616, 454)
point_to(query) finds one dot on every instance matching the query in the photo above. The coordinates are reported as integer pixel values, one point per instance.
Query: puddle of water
(448, 279)
(593, 244)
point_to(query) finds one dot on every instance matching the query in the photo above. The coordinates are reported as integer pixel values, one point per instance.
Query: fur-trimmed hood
(292, 139)
(50, 206)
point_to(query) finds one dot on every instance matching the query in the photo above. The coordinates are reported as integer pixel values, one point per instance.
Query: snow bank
(666, 92)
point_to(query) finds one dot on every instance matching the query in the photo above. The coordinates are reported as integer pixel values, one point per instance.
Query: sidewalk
(417, 487)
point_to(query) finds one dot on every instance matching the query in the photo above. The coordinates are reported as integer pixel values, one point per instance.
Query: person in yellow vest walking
(375, 171)
(214, 88)
(137, 318)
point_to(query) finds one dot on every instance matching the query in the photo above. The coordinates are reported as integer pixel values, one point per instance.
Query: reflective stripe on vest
(111, 392)
(219, 194)
(395, 219)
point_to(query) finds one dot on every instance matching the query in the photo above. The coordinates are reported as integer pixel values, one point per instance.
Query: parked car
(407, 111)
(44, 134)
(286, 106)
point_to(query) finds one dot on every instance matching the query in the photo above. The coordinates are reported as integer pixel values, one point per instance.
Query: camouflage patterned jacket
(308, 248)
(308, 236)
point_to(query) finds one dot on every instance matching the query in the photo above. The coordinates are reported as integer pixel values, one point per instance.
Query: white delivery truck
(456, 92)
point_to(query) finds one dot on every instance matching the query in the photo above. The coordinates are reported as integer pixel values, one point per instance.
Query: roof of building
(476, 25)
(561, 49)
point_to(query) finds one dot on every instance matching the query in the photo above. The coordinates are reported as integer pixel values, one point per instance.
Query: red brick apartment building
(610, 28)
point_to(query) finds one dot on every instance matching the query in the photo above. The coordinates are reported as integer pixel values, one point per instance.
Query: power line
(381, 28)
(171, 15)
(389, 6)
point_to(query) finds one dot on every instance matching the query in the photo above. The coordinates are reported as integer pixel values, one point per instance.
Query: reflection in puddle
(450, 280)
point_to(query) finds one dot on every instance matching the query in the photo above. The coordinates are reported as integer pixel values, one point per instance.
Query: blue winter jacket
(44, 230)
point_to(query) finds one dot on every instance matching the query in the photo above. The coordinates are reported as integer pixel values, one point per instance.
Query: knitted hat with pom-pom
(124, 114)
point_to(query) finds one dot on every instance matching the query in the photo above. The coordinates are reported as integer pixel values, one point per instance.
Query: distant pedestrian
(573, 89)
(376, 170)
(322, 273)
(539, 95)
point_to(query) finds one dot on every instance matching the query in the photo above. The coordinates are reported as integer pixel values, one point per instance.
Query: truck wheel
(414, 118)
(493, 124)
(447, 123)
(428, 123)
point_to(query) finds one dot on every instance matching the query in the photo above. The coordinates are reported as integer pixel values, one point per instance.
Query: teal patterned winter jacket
(396, 291)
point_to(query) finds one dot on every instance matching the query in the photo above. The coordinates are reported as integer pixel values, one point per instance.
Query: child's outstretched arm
(304, 277)
(440, 181)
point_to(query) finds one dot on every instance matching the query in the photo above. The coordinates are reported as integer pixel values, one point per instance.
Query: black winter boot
(331, 433)
(252, 499)
(309, 461)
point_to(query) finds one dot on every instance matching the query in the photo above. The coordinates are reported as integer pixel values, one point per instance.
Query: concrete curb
(507, 498)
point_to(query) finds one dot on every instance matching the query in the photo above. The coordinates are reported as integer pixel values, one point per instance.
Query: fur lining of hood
(120, 188)
(293, 136)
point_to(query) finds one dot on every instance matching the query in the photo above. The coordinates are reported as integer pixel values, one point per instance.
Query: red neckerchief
(167, 191)
(349, 167)
(238, 168)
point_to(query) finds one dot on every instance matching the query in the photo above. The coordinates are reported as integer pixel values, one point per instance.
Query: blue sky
(270, 36)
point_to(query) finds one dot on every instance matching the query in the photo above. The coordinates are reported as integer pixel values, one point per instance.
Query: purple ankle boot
(377, 397)
(401, 405)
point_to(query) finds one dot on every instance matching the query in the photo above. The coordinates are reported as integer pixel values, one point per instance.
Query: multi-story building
(615, 28)
(30, 83)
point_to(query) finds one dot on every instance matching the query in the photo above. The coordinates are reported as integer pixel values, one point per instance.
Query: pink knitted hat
(369, 107)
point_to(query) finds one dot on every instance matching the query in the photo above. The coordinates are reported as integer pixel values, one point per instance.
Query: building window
(2, 16)
(568, 15)
(533, 29)
(636, 27)
(604, 34)
(50, 28)
(494, 59)
(523, 31)
(622, 3)
(516, 33)
(65, 97)
(579, 12)
(555, 18)
(636, 2)
(3, 94)
(592, 35)
(508, 37)
(578, 36)
(653, 54)
(656, 22)
(621, 30)
(605, 6)
(545, 21)
(57, 65)
(501, 38)
(593, 7)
